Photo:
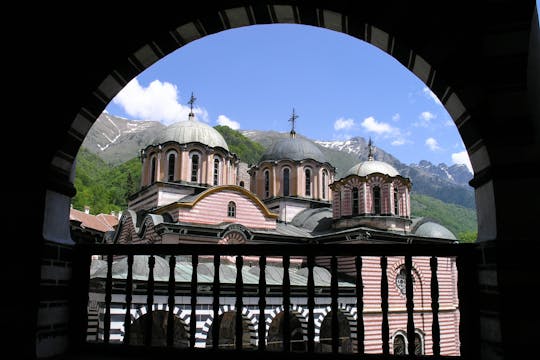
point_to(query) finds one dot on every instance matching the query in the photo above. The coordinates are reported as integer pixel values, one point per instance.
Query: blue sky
(252, 78)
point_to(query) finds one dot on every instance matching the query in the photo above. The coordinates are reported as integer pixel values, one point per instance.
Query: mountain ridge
(116, 140)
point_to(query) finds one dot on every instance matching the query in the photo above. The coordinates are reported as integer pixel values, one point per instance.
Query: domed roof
(184, 132)
(372, 166)
(294, 148)
(314, 220)
(434, 230)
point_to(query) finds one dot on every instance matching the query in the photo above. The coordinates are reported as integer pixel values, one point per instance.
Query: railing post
(410, 304)
(129, 299)
(286, 305)
(359, 306)
(334, 293)
(108, 299)
(262, 303)
(171, 303)
(150, 301)
(239, 286)
(435, 328)
(384, 307)
(215, 304)
(311, 304)
(194, 293)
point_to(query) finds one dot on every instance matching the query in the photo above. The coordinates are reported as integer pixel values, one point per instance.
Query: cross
(293, 120)
(371, 149)
(191, 102)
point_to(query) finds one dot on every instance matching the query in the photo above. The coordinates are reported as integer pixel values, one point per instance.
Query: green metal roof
(205, 272)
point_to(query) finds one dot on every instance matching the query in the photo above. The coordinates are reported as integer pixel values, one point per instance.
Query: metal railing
(311, 253)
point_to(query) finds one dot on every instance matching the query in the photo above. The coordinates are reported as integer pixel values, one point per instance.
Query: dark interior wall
(57, 57)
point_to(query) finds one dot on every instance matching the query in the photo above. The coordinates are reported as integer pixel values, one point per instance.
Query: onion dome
(184, 132)
(372, 166)
(434, 230)
(294, 148)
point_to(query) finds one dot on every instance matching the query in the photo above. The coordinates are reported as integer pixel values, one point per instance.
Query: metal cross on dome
(191, 102)
(292, 119)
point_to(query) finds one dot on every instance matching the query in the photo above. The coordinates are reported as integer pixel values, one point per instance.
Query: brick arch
(348, 311)
(246, 314)
(180, 314)
(300, 313)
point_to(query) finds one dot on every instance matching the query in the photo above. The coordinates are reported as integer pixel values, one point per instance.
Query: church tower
(186, 158)
(374, 194)
(292, 175)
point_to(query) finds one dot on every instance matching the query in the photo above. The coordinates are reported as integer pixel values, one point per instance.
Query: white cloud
(432, 144)
(425, 119)
(225, 121)
(158, 102)
(462, 158)
(396, 117)
(342, 123)
(427, 116)
(372, 125)
(427, 91)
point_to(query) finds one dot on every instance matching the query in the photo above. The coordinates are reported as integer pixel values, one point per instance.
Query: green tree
(467, 236)
(248, 151)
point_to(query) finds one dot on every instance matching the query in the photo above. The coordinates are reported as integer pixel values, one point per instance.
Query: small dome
(184, 132)
(294, 149)
(314, 220)
(434, 230)
(372, 166)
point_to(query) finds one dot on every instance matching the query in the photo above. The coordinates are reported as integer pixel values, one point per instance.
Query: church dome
(184, 132)
(372, 166)
(294, 148)
(434, 230)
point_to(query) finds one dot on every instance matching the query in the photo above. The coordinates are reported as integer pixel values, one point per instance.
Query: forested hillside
(248, 151)
(104, 187)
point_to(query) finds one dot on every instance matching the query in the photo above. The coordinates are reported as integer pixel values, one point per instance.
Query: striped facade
(213, 210)
(372, 315)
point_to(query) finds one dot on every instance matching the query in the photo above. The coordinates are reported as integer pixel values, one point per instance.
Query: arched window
(286, 181)
(195, 167)
(231, 209)
(170, 167)
(216, 171)
(307, 172)
(241, 183)
(377, 200)
(153, 170)
(266, 183)
(400, 347)
(355, 201)
(324, 181)
(396, 201)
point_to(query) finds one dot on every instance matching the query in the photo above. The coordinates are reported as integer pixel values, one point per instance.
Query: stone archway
(226, 322)
(160, 320)
(384, 35)
(484, 65)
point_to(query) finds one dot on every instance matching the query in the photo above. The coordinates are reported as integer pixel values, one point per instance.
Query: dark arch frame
(485, 60)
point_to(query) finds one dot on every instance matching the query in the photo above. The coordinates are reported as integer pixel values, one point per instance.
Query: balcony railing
(344, 264)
